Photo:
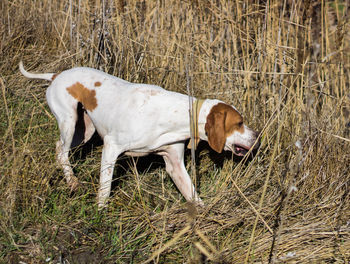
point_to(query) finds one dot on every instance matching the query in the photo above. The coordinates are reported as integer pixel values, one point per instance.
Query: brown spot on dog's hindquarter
(97, 84)
(83, 95)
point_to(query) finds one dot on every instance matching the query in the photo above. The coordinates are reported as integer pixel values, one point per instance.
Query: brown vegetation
(283, 64)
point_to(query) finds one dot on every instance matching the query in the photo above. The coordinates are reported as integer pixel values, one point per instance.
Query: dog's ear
(215, 130)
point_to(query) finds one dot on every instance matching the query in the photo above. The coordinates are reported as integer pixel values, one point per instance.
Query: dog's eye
(240, 123)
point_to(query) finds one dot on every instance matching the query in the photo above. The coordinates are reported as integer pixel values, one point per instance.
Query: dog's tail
(45, 76)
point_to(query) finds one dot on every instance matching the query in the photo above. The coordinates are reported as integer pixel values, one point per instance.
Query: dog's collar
(196, 108)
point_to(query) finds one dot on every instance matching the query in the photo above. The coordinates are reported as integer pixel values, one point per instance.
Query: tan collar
(196, 108)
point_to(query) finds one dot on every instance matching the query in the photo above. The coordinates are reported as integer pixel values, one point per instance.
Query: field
(283, 64)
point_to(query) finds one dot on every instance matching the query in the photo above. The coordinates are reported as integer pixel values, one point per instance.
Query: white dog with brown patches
(136, 119)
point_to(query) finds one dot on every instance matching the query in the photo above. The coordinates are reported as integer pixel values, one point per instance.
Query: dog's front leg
(174, 161)
(110, 153)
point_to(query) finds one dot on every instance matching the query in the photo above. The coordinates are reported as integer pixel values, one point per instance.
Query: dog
(137, 119)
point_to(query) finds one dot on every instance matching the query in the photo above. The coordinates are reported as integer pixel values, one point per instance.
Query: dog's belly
(136, 154)
(140, 153)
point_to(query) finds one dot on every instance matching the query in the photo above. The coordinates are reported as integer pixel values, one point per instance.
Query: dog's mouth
(240, 150)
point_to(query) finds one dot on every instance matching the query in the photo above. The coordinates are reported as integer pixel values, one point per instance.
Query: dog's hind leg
(64, 109)
(75, 127)
(67, 128)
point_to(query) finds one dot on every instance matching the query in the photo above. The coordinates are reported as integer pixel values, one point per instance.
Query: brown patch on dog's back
(83, 95)
(97, 84)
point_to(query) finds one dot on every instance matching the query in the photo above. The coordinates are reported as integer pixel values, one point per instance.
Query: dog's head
(226, 131)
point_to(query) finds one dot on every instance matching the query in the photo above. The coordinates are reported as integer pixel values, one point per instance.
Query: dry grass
(284, 64)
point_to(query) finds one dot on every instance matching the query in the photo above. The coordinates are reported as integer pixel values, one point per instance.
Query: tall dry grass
(283, 64)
